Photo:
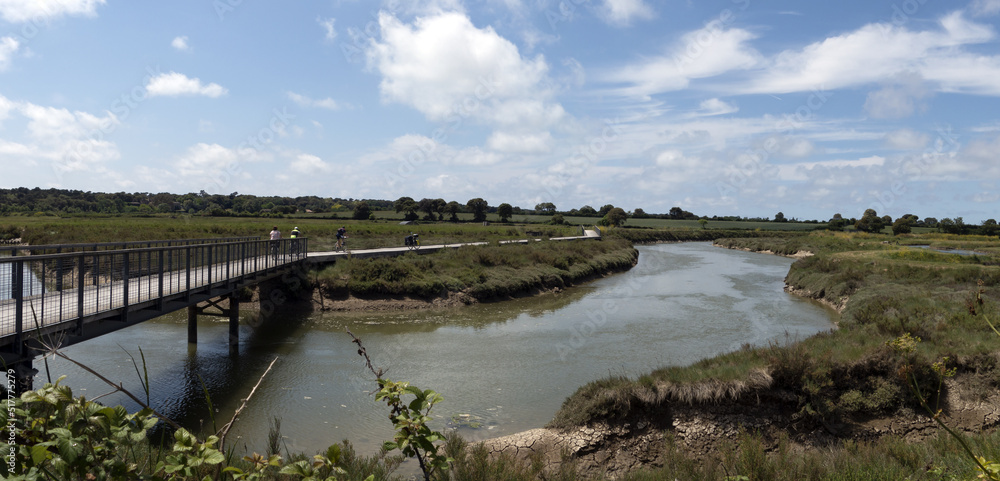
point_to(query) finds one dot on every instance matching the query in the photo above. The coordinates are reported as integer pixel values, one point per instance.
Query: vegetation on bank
(849, 374)
(482, 272)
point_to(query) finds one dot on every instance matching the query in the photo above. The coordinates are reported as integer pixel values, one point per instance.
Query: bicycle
(412, 241)
(342, 246)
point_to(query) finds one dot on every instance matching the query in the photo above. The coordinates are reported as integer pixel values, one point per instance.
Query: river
(502, 367)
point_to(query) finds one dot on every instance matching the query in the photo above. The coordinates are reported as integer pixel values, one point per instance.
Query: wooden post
(193, 324)
(234, 324)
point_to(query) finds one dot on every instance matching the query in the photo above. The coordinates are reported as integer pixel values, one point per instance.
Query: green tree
(639, 214)
(452, 209)
(780, 217)
(362, 211)
(903, 225)
(869, 222)
(604, 210)
(505, 210)
(408, 205)
(557, 219)
(989, 227)
(431, 206)
(588, 211)
(615, 217)
(478, 207)
(545, 208)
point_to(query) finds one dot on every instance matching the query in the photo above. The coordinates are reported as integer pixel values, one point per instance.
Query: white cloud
(522, 143)
(622, 12)
(17, 11)
(304, 101)
(328, 27)
(706, 52)
(880, 51)
(716, 107)
(180, 43)
(906, 139)
(8, 47)
(985, 7)
(68, 141)
(446, 68)
(411, 151)
(310, 165)
(174, 84)
(796, 147)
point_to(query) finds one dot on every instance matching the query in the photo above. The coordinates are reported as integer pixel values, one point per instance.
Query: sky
(734, 107)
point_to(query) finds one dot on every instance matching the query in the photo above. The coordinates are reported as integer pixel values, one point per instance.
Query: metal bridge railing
(108, 246)
(45, 290)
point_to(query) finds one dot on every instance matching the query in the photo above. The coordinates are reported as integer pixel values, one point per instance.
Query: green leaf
(214, 456)
(333, 454)
(39, 453)
(389, 446)
(414, 391)
(69, 449)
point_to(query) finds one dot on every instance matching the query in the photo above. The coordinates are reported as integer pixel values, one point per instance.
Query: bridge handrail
(72, 286)
(44, 257)
(110, 246)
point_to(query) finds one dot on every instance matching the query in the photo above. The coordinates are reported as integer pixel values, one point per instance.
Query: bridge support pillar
(22, 379)
(234, 325)
(193, 324)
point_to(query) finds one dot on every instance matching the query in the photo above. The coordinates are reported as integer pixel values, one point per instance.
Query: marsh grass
(482, 272)
(847, 372)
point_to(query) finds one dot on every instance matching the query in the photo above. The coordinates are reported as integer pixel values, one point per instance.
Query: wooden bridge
(60, 295)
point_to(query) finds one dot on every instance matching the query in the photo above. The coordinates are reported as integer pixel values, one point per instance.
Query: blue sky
(739, 107)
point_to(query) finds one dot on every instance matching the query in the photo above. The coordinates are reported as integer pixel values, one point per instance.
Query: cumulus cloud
(17, 11)
(175, 84)
(622, 12)
(69, 141)
(180, 43)
(876, 52)
(304, 101)
(310, 165)
(327, 24)
(8, 47)
(447, 68)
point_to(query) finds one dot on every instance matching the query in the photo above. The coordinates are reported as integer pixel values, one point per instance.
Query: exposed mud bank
(705, 430)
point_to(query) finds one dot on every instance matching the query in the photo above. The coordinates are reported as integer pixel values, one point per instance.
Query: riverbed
(502, 367)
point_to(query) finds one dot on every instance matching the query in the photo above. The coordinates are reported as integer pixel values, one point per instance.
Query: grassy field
(320, 231)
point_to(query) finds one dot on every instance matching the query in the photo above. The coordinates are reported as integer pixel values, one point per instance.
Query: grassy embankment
(483, 272)
(847, 375)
